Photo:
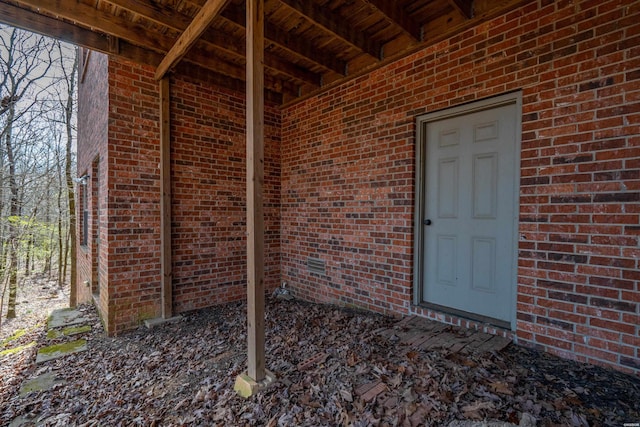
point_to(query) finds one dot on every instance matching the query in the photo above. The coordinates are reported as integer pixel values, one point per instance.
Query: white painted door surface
(469, 212)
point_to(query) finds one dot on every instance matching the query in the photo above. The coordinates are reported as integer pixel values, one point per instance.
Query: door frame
(420, 180)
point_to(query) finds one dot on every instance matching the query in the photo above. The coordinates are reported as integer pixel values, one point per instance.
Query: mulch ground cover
(333, 369)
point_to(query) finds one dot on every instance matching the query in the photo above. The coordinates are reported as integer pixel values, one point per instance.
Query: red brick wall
(348, 174)
(209, 185)
(134, 196)
(208, 207)
(93, 118)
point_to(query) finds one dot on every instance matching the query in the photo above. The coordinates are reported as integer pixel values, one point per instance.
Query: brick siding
(348, 174)
(93, 119)
(208, 185)
(208, 150)
(340, 170)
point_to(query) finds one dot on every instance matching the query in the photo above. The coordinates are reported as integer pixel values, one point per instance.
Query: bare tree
(37, 100)
(68, 115)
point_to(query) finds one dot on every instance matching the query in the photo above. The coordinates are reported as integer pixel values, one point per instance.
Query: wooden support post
(257, 376)
(255, 181)
(166, 272)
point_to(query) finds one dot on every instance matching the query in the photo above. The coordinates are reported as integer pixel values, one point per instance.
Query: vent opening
(316, 265)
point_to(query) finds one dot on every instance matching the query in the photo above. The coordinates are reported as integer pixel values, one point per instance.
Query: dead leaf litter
(333, 369)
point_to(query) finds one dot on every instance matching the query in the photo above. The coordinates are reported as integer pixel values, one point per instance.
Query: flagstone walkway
(63, 329)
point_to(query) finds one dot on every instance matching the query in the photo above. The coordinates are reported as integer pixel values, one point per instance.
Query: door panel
(470, 204)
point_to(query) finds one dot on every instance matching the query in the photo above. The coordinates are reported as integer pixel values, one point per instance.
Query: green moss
(53, 334)
(67, 347)
(17, 349)
(75, 330)
(17, 334)
(146, 315)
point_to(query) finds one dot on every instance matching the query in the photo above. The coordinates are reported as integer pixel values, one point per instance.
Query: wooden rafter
(102, 21)
(22, 18)
(308, 47)
(28, 20)
(216, 38)
(296, 45)
(463, 6)
(336, 25)
(399, 17)
(128, 41)
(190, 36)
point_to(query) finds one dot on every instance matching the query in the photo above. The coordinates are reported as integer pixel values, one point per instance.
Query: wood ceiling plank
(105, 22)
(336, 25)
(218, 39)
(296, 45)
(300, 47)
(155, 12)
(31, 21)
(188, 38)
(463, 6)
(435, 31)
(399, 16)
(52, 27)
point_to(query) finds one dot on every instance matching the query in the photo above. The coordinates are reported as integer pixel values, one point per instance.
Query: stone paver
(59, 350)
(41, 382)
(66, 317)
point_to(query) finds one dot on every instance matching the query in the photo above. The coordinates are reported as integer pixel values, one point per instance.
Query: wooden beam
(397, 14)
(209, 11)
(166, 270)
(434, 31)
(95, 19)
(295, 45)
(216, 38)
(255, 181)
(31, 21)
(133, 50)
(465, 7)
(336, 25)
(155, 12)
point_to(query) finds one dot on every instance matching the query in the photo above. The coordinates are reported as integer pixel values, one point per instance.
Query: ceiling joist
(190, 36)
(463, 6)
(399, 17)
(296, 45)
(310, 45)
(28, 20)
(218, 39)
(336, 25)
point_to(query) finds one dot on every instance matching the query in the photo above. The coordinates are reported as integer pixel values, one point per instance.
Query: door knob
(427, 222)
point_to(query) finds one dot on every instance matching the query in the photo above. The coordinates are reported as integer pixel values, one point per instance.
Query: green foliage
(32, 230)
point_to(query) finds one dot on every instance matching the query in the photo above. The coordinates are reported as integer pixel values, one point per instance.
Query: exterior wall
(134, 196)
(93, 119)
(208, 185)
(348, 160)
(208, 151)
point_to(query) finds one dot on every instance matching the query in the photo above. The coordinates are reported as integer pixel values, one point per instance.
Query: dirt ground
(325, 358)
(37, 296)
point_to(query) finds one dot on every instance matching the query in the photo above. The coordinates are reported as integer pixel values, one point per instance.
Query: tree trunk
(31, 236)
(27, 261)
(14, 212)
(73, 297)
(60, 246)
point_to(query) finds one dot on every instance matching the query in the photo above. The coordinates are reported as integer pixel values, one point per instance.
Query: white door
(469, 212)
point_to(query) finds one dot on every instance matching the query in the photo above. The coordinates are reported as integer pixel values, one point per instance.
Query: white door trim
(420, 170)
